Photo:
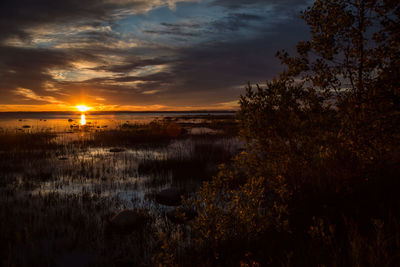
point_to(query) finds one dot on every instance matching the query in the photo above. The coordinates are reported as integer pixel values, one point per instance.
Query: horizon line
(129, 111)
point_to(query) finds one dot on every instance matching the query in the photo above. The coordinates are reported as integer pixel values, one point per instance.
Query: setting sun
(82, 108)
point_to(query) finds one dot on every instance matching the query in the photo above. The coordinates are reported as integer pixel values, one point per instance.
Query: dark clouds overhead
(236, 4)
(131, 52)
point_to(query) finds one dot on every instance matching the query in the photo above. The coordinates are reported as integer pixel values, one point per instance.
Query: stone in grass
(181, 215)
(126, 221)
(116, 149)
(169, 197)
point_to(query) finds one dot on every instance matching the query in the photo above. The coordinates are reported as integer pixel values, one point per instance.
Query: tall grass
(58, 190)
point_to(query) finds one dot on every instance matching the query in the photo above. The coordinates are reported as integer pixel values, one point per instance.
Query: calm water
(61, 122)
(103, 172)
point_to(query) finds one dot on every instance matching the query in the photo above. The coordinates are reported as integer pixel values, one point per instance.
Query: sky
(141, 54)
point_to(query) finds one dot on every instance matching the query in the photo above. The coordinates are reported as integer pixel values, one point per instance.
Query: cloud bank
(131, 53)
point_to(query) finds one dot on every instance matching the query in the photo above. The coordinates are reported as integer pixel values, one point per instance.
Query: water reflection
(62, 122)
(83, 119)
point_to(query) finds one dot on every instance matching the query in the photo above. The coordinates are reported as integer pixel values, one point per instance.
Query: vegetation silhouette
(318, 182)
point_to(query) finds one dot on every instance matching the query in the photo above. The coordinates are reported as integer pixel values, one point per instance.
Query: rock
(124, 218)
(173, 129)
(70, 120)
(126, 221)
(115, 150)
(181, 215)
(169, 197)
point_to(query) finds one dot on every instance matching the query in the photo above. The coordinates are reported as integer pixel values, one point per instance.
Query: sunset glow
(83, 108)
(154, 55)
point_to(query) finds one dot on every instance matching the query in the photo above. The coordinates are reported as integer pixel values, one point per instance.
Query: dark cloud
(230, 22)
(220, 71)
(159, 77)
(134, 63)
(172, 32)
(184, 29)
(27, 68)
(236, 4)
(235, 21)
(182, 25)
(17, 16)
(217, 59)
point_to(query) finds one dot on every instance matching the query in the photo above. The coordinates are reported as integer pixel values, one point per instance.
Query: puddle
(204, 130)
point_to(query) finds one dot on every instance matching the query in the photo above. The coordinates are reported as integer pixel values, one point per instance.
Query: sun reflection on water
(83, 119)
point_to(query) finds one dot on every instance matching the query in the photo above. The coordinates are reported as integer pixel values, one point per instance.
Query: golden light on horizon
(83, 108)
(83, 119)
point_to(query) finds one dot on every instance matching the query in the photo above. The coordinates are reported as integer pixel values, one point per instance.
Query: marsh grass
(59, 189)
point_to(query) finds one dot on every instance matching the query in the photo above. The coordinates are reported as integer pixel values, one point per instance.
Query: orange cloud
(31, 95)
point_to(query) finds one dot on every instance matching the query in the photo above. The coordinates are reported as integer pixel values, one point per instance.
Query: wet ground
(59, 188)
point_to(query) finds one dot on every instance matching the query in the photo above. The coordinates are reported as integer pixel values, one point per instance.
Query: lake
(61, 122)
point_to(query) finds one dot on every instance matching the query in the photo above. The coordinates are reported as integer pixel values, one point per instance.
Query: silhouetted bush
(318, 181)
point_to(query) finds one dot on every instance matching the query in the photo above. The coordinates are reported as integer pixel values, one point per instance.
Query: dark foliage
(318, 182)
